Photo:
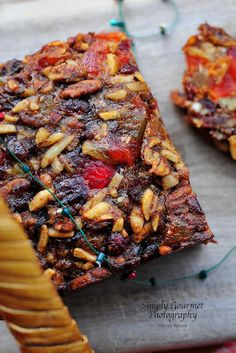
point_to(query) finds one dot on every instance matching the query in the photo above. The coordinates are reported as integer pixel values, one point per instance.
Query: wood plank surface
(113, 313)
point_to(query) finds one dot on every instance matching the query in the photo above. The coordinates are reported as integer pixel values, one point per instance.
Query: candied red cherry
(98, 174)
(124, 153)
(47, 60)
(1, 116)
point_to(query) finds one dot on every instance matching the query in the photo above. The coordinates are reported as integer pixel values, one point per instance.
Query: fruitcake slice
(80, 115)
(209, 86)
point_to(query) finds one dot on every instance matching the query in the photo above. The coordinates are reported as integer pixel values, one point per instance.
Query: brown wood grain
(111, 313)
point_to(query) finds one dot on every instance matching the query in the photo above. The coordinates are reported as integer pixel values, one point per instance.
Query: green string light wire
(203, 274)
(101, 257)
(163, 29)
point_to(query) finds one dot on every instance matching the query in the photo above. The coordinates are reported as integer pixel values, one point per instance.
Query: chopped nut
(111, 115)
(124, 233)
(34, 163)
(68, 71)
(41, 135)
(84, 46)
(81, 88)
(122, 79)
(164, 249)
(84, 255)
(136, 86)
(55, 150)
(114, 184)
(160, 169)
(47, 88)
(57, 234)
(57, 166)
(150, 156)
(106, 217)
(43, 239)
(173, 157)
(39, 200)
(88, 265)
(154, 141)
(12, 85)
(155, 222)
(96, 199)
(97, 211)
(149, 203)
(116, 95)
(46, 179)
(197, 122)
(196, 107)
(22, 105)
(7, 129)
(169, 181)
(143, 233)
(10, 119)
(118, 225)
(136, 220)
(228, 103)
(28, 92)
(79, 222)
(49, 273)
(180, 165)
(17, 217)
(33, 104)
(139, 77)
(232, 146)
(101, 132)
(52, 139)
(112, 64)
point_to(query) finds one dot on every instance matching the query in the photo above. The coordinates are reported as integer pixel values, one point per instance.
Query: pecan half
(81, 88)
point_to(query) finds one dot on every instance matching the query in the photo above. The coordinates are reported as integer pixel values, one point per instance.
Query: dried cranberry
(98, 174)
(1, 116)
(117, 243)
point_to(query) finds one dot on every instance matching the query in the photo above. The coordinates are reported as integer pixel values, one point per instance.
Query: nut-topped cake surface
(80, 115)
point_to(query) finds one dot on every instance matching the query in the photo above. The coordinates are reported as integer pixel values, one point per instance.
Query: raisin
(20, 203)
(125, 44)
(11, 67)
(136, 187)
(75, 106)
(117, 243)
(71, 190)
(208, 104)
(128, 68)
(21, 148)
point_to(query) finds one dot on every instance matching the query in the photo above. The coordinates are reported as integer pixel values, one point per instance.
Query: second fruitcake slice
(81, 116)
(209, 85)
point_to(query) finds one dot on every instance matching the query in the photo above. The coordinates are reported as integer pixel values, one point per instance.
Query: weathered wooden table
(112, 313)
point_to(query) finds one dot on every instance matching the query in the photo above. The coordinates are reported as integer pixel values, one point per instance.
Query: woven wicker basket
(29, 302)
